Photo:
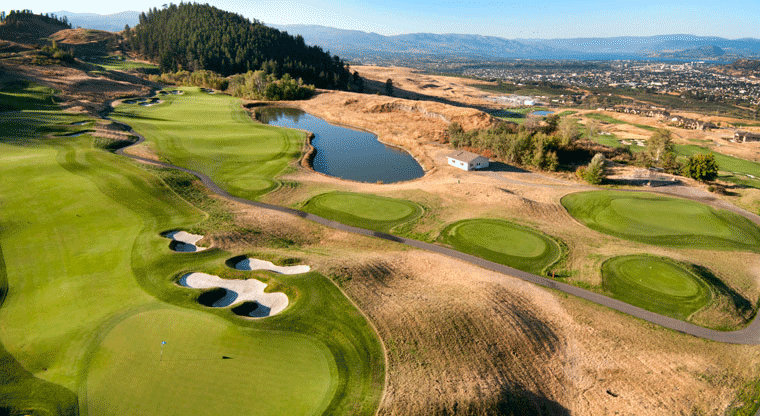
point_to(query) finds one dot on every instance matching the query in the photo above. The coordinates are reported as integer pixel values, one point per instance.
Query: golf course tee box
(656, 284)
(661, 220)
(363, 210)
(504, 242)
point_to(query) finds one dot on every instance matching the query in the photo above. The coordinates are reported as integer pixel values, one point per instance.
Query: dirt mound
(87, 42)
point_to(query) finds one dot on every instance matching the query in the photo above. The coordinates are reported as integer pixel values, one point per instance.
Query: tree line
(555, 143)
(191, 37)
(18, 16)
(253, 85)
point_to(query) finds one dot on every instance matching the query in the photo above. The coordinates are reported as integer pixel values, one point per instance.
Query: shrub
(702, 167)
(594, 172)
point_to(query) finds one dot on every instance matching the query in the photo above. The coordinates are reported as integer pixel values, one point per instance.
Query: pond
(542, 113)
(346, 153)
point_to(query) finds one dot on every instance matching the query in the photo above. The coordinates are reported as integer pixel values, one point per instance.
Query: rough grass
(363, 210)
(213, 134)
(80, 237)
(656, 284)
(661, 220)
(115, 62)
(504, 242)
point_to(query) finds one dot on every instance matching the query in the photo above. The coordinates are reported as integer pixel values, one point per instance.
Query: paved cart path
(748, 335)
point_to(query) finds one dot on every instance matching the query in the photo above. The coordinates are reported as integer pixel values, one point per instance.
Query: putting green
(656, 284)
(213, 134)
(504, 242)
(363, 210)
(661, 220)
(132, 373)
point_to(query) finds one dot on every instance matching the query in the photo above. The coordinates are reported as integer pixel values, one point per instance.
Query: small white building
(467, 160)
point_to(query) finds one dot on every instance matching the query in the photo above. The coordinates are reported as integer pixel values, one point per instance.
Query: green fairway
(740, 171)
(82, 264)
(213, 134)
(504, 242)
(656, 284)
(661, 220)
(134, 374)
(363, 210)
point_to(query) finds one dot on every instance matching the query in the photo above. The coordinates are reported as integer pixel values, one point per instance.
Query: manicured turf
(134, 374)
(83, 259)
(656, 284)
(363, 210)
(660, 220)
(504, 242)
(213, 134)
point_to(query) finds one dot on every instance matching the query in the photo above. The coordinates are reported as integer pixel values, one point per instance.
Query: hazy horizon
(512, 20)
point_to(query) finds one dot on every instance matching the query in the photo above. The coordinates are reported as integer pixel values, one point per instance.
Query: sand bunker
(184, 242)
(254, 302)
(256, 264)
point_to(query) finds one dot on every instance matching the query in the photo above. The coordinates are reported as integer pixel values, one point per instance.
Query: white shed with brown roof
(467, 160)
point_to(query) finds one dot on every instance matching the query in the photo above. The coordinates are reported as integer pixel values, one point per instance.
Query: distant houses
(745, 136)
(467, 160)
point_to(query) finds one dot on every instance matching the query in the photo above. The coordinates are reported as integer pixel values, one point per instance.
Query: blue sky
(509, 19)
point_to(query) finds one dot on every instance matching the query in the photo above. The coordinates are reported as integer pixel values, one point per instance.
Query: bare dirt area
(414, 85)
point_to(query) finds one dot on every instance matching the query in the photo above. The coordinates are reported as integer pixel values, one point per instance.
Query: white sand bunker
(184, 242)
(254, 302)
(256, 264)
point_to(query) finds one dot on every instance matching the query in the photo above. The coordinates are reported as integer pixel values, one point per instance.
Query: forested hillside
(26, 27)
(194, 36)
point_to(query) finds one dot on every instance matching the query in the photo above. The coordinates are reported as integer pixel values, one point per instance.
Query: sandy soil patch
(249, 290)
(256, 264)
(185, 242)
(415, 85)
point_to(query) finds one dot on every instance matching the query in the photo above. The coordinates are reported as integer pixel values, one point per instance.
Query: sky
(508, 19)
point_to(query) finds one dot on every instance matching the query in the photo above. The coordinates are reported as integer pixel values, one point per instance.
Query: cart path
(748, 335)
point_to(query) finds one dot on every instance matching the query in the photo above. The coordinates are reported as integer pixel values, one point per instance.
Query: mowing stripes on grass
(656, 284)
(213, 134)
(660, 220)
(504, 242)
(363, 210)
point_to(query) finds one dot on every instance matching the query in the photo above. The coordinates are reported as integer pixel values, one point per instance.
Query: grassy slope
(656, 284)
(115, 62)
(659, 220)
(213, 134)
(82, 246)
(362, 210)
(504, 242)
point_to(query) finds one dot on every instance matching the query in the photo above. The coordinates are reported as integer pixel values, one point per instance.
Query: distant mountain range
(110, 22)
(367, 47)
(357, 45)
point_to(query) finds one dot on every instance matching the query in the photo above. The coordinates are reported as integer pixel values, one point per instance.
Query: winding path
(748, 335)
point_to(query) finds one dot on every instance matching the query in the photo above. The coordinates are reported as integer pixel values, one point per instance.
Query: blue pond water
(346, 153)
(542, 113)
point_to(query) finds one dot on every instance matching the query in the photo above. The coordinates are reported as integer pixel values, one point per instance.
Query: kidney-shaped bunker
(249, 291)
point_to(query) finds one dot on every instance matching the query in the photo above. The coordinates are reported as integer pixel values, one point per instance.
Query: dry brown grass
(81, 91)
